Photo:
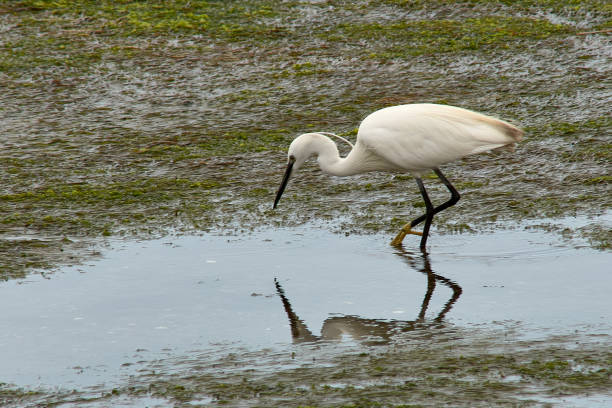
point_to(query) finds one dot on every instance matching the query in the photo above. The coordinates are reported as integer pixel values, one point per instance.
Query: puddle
(144, 301)
(120, 402)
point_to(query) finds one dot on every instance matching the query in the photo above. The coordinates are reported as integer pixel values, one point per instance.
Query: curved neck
(330, 161)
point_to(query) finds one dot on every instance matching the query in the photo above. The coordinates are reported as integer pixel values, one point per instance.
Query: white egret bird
(413, 138)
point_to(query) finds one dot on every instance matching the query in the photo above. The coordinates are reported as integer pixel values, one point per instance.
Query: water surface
(147, 300)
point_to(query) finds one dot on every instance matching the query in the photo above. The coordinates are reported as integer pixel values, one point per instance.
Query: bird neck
(328, 157)
(330, 161)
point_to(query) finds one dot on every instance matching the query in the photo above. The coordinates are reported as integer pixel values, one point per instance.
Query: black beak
(286, 177)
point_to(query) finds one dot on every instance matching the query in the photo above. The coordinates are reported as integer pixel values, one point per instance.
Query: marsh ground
(137, 120)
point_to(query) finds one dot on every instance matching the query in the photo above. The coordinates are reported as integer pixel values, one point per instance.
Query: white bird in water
(413, 138)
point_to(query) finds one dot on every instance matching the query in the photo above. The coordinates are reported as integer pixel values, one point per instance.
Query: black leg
(428, 214)
(452, 201)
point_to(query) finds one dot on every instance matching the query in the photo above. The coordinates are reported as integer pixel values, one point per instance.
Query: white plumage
(412, 138)
(420, 137)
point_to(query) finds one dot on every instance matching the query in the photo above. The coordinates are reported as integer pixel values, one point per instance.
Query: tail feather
(514, 132)
(511, 131)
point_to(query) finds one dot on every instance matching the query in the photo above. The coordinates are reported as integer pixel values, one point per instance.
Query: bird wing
(423, 136)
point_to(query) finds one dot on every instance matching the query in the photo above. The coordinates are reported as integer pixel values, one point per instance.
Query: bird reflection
(372, 331)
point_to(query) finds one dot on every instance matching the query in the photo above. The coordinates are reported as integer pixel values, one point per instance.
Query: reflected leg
(299, 331)
(431, 285)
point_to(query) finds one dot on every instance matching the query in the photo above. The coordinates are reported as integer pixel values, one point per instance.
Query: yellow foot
(403, 232)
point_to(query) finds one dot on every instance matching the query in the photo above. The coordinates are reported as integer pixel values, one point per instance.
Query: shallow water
(144, 301)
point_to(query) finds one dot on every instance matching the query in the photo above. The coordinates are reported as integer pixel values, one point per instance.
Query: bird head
(302, 147)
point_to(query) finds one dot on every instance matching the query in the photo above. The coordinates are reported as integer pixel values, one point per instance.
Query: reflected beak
(286, 177)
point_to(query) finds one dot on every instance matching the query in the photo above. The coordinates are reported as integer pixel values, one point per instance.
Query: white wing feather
(419, 137)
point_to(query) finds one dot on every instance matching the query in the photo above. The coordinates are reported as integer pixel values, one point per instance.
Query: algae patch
(405, 39)
(442, 366)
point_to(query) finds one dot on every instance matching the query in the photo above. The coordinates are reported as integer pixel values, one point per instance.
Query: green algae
(70, 205)
(414, 38)
(575, 7)
(443, 369)
(224, 19)
(12, 395)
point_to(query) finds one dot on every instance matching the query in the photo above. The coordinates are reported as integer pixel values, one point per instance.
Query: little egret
(413, 138)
